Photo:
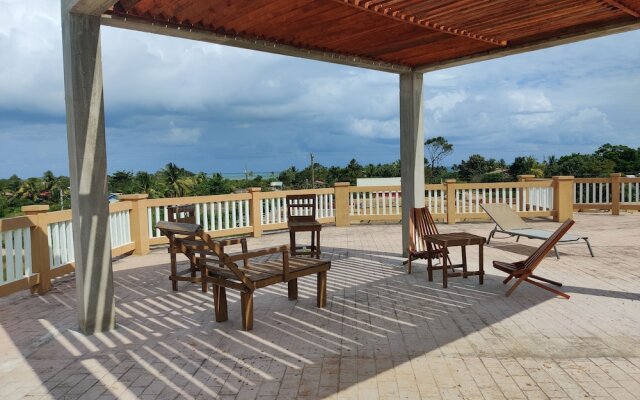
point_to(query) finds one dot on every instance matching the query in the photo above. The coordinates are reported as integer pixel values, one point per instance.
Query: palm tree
(174, 177)
(28, 190)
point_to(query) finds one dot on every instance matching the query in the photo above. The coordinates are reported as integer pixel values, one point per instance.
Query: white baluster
(8, 246)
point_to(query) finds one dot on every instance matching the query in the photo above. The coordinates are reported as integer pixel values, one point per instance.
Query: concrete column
(88, 169)
(411, 148)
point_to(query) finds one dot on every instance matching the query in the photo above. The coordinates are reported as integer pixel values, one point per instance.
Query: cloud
(374, 128)
(181, 136)
(231, 108)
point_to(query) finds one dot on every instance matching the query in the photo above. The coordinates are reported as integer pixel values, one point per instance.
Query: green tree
(625, 159)
(437, 148)
(121, 182)
(476, 166)
(580, 165)
(526, 166)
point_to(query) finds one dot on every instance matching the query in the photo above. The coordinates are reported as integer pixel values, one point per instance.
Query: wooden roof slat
(389, 35)
(424, 23)
(627, 9)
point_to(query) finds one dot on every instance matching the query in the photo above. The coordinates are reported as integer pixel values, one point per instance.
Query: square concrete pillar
(411, 148)
(88, 169)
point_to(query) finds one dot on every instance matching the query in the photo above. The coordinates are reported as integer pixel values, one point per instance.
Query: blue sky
(218, 109)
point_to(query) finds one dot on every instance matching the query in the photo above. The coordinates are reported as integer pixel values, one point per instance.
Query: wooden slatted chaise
(522, 271)
(223, 271)
(421, 224)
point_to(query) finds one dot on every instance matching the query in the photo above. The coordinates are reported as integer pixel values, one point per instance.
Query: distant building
(378, 181)
(276, 185)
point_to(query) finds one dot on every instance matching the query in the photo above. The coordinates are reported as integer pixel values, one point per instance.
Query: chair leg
(174, 273)
(589, 246)
(322, 289)
(464, 262)
(555, 248)
(515, 285)
(552, 290)
(246, 300)
(220, 303)
(545, 280)
(493, 232)
(507, 279)
(293, 289)
(292, 242)
(203, 275)
(409, 264)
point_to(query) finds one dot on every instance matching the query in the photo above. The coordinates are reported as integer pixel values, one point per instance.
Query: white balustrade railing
(60, 237)
(630, 192)
(120, 225)
(273, 210)
(435, 201)
(597, 192)
(468, 200)
(375, 202)
(212, 215)
(539, 199)
(15, 252)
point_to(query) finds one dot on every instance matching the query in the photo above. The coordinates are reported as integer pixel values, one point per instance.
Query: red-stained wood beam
(421, 22)
(622, 7)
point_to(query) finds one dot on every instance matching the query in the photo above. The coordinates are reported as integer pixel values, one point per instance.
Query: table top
(455, 239)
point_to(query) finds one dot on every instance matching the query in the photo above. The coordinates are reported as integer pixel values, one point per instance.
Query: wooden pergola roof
(390, 35)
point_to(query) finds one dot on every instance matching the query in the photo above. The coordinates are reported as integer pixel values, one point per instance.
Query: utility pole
(313, 173)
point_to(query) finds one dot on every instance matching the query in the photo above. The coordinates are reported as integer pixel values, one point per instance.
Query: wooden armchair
(523, 270)
(421, 224)
(225, 272)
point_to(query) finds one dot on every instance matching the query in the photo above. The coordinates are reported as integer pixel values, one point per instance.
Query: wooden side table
(461, 239)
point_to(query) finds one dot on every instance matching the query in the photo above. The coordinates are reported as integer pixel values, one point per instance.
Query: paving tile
(384, 334)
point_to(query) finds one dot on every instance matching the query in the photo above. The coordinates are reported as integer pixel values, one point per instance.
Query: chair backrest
(421, 224)
(184, 213)
(533, 260)
(301, 207)
(504, 216)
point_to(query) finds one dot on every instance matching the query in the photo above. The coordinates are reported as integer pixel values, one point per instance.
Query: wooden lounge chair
(421, 224)
(194, 248)
(509, 222)
(523, 270)
(223, 270)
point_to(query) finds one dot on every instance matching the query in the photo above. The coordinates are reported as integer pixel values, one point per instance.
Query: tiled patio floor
(384, 334)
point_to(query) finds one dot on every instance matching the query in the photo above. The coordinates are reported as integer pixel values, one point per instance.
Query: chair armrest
(258, 253)
(231, 241)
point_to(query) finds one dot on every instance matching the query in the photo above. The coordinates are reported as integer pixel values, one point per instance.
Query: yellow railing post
(450, 188)
(139, 222)
(342, 203)
(254, 211)
(39, 246)
(615, 193)
(563, 197)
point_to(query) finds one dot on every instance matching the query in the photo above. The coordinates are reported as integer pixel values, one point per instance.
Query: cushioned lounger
(507, 221)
